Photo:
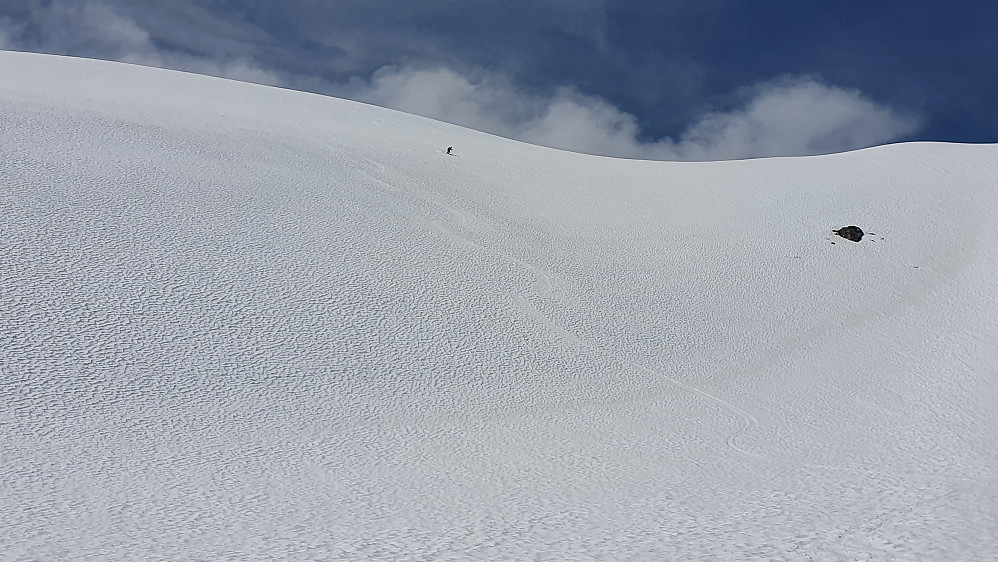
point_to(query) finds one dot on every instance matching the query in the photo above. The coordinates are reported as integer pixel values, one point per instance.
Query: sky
(669, 79)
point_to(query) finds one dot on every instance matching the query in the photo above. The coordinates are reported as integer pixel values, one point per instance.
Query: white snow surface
(239, 322)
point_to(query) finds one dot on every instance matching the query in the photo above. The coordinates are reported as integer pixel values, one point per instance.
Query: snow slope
(239, 322)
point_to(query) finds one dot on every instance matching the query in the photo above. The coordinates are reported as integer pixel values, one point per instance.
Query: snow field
(238, 322)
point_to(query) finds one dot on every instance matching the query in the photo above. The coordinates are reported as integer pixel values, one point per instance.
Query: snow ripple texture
(242, 323)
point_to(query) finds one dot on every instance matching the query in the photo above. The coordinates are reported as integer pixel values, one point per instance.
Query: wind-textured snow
(239, 322)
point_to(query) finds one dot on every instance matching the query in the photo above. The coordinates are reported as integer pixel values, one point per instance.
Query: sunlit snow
(239, 322)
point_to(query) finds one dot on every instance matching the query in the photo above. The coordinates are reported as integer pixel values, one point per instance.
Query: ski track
(247, 323)
(543, 287)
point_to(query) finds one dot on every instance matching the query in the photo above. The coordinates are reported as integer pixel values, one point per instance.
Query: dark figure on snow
(449, 148)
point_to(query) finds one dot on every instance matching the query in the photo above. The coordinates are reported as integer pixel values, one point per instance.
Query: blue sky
(705, 79)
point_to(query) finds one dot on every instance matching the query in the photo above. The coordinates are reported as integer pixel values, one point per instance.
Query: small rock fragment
(853, 233)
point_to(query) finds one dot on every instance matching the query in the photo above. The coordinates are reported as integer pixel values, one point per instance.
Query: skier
(449, 148)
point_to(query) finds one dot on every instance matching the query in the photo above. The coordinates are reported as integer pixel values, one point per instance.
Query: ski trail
(539, 316)
(542, 281)
(543, 286)
(749, 421)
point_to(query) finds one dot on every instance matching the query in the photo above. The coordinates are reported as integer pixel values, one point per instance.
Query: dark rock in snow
(853, 233)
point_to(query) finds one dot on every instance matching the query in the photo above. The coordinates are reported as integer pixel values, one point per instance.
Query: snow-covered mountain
(239, 322)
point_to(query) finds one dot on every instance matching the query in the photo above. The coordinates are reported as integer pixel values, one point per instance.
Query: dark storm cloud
(102, 29)
(668, 79)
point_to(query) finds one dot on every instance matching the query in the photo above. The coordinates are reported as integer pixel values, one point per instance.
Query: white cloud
(794, 116)
(492, 103)
(787, 116)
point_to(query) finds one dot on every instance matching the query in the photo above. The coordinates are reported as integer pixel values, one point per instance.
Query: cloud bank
(790, 115)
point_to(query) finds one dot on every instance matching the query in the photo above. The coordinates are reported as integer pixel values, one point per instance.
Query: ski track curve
(543, 286)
